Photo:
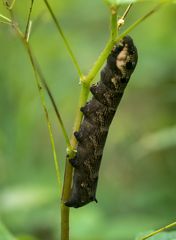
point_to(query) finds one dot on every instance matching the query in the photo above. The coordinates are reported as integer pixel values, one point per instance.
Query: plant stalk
(68, 167)
(159, 231)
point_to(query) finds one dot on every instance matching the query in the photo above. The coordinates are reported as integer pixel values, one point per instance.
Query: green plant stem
(82, 100)
(127, 11)
(104, 54)
(32, 59)
(27, 31)
(53, 104)
(12, 4)
(74, 60)
(69, 169)
(159, 230)
(5, 18)
(98, 64)
(46, 115)
(3, 22)
(119, 24)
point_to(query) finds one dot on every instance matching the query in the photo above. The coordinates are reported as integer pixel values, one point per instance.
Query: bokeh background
(137, 184)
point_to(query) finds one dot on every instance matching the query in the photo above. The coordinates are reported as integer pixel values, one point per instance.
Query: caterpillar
(98, 114)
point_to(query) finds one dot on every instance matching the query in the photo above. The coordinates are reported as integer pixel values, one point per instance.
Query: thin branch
(57, 167)
(74, 60)
(159, 230)
(28, 33)
(104, 54)
(4, 22)
(56, 163)
(28, 25)
(5, 18)
(46, 115)
(12, 4)
(127, 11)
(121, 20)
(53, 104)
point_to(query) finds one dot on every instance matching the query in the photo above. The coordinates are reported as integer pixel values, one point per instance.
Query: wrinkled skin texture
(98, 115)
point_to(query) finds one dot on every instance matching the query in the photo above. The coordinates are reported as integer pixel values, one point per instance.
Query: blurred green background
(137, 184)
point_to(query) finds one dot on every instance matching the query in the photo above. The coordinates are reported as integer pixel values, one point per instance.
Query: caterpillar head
(123, 57)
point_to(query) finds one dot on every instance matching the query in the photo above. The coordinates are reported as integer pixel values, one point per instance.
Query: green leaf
(5, 234)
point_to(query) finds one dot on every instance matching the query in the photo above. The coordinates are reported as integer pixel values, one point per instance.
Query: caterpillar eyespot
(98, 114)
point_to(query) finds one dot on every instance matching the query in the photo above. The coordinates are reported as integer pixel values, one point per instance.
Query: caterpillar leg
(95, 200)
(77, 136)
(74, 162)
(82, 109)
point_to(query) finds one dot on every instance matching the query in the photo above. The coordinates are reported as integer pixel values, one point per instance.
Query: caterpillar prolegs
(98, 114)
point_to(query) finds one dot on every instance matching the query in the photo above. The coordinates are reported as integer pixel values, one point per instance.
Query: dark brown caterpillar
(98, 114)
